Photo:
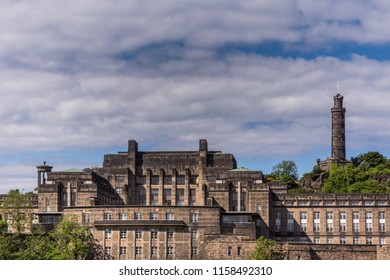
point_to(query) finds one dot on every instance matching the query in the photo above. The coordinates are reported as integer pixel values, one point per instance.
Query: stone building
(199, 205)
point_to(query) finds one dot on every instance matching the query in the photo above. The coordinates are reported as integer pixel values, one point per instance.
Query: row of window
(332, 203)
(329, 240)
(153, 251)
(167, 180)
(193, 217)
(167, 196)
(153, 233)
(329, 221)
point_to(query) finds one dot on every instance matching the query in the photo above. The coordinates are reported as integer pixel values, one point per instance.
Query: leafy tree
(370, 159)
(285, 169)
(73, 242)
(266, 249)
(17, 211)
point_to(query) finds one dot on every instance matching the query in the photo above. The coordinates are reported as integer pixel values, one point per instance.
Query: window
(193, 197)
(153, 234)
(194, 251)
(169, 251)
(355, 202)
(180, 197)
(107, 216)
(154, 216)
(122, 216)
(343, 215)
(169, 234)
(316, 215)
(369, 221)
(290, 221)
(343, 240)
(137, 216)
(170, 216)
(142, 180)
(167, 197)
(154, 180)
(303, 221)
(239, 251)
(154, 197)
(278, 226)
(382, 240)
(368, 203)
(343, 227)
(341, 203)
(316, 240)
(193, 217)
(192, 179)
(167, 180)
(138, 250)
(154, 250)
(119, 178)
(329, 227)
(85, 217)
(108, 233)
(316, 203)
(194, 233)
(356, 240)
(329, 215)
(329, 240)
(369, 240)
(180, 180)
(138, 233)
(123, 250)
(328, 203)
(108, 251)
(122, 233)
(229, 251)
(382, 221)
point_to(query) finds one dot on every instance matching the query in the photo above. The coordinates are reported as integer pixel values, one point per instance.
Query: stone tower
(338, 129)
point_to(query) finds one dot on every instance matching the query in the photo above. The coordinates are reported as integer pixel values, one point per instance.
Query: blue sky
(255, 78)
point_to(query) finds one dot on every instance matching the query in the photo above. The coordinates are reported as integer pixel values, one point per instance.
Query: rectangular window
(192, 179)
(137, 216)
(369, 240)
(329, 215)
(239, 251)
(122, 233)
(193, 217)
(343, 227)
(85, 218)
(154, 180)
(290, 221)
(138, 250)
(356, 240)
(369, 221)
(316, 240)
(167, 180)
(303, 216)
(229, 251)
(180, 197)
(122, 216)
(154, 197)
(170, 216)
(138, 233)
(153, 234)
(169, 234)
(192, 197)
(154, 216)
(194, 251)
(154, 250)
(167, 197)
(278, 225)
(108, 251)
(169, 251)
(382, 241)
(194, 233)
(180, 180)
(343, 240)
(343, 215)
(123, 250)
(108, 233)
(329, 240)
(329, 227)
(107, 216)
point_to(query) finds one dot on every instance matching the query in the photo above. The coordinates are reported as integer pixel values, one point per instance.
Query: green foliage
(266, 249)
(287, 169)
(68, 241)
(370, 159)
(351, 179)
(17, 210)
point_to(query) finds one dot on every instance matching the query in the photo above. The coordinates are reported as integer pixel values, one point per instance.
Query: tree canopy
(267, 249)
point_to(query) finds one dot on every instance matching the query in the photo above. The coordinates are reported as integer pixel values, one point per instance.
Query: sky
(256, 78)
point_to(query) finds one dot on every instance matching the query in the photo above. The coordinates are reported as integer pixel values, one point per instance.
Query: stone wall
(330, 252)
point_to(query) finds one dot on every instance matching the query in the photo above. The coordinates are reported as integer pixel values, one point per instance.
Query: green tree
(370, 159)
(285, 169)
(17, 211)
(73, 242)
(266, 249)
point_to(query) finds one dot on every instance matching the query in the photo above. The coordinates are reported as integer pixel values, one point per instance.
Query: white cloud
(92, 74)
